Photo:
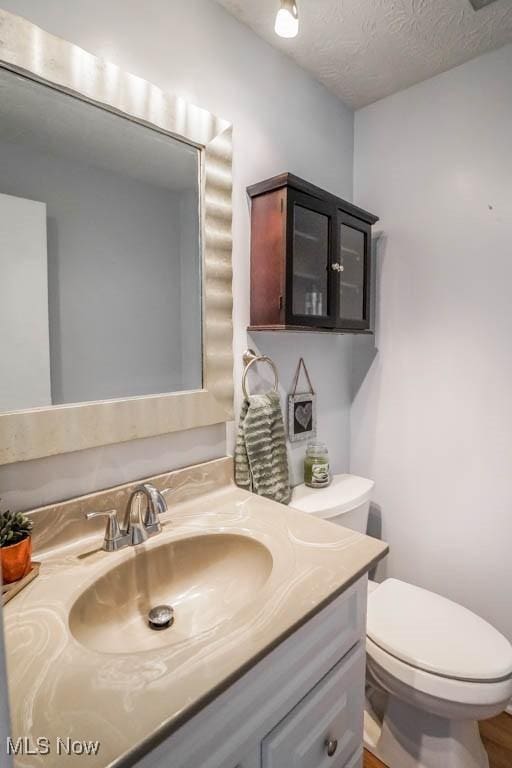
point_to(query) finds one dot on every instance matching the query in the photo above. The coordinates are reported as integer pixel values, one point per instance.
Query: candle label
(320, 474)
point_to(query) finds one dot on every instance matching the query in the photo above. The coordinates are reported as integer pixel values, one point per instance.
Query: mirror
(100, 253)
(115, 253)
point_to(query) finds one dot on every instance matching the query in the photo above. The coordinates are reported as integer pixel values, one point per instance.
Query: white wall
(432, 413)
(283, 121)
(24, 338)
(30, 484)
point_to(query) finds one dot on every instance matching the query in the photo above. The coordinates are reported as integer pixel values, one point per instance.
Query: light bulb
(287, 19)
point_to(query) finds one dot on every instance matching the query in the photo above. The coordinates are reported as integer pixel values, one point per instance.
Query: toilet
(433, 668)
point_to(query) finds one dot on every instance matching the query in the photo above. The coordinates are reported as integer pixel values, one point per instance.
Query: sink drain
(161, 617)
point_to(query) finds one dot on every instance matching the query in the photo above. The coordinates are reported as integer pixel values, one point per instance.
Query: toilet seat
(433, 669)
(423, 635)
(483, 693)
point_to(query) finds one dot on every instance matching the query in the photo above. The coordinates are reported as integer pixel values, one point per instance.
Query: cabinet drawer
(356, 761)
(331, 711)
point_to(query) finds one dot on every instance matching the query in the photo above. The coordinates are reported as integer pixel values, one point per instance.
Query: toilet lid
(346, 492)
(434, 634)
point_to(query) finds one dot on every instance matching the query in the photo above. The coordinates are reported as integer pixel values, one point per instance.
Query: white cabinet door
(356, 761)
(326, 728)
(244, 758)
(250, 761)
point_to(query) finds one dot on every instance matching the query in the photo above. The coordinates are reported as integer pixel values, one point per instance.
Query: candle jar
(316, 465)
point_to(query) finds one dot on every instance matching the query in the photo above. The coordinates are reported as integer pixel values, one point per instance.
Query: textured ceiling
(363, 50)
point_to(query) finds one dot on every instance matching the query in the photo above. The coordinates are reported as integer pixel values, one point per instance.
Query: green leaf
(14, 527)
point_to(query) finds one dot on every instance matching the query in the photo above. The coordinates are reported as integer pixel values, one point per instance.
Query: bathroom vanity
(265, 658)
(301, 705)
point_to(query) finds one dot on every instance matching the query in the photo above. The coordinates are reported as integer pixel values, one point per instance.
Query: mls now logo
(75, 747)
(24, 745)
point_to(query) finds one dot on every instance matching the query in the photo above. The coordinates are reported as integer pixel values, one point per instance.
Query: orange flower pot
(16, 560)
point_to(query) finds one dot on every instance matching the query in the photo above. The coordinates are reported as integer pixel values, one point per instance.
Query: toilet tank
(346, 501)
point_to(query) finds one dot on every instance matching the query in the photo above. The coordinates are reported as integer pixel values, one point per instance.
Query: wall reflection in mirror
(100, 257)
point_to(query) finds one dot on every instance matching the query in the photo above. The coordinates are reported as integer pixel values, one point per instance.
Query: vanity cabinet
(310, 258)
(323, 730)
(300, 706)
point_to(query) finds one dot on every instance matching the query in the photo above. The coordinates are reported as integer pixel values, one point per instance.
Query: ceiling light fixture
(287, 19)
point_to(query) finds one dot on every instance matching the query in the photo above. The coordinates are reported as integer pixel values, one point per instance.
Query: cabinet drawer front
(332, 711)
(356, 761)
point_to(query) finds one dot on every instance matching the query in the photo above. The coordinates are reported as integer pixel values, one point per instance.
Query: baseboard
(509, 709)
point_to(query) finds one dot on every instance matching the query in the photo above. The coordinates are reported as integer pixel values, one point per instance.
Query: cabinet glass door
(310, 262)
(352, 266)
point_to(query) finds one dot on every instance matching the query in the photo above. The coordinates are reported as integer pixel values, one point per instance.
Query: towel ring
(250, 357)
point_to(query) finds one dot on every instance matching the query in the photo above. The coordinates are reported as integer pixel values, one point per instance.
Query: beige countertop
(125, 697)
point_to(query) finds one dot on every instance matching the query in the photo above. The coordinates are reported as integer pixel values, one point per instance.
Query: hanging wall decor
(301, 409)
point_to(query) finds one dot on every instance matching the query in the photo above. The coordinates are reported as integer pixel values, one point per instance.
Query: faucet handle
(114, 539)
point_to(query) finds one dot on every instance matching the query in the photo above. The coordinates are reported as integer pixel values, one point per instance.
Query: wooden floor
(496, 735)
(371, 762)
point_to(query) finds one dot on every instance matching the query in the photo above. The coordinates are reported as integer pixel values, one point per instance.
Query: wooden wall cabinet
(310, 258)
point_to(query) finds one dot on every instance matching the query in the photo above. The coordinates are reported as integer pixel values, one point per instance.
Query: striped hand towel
(261, 462)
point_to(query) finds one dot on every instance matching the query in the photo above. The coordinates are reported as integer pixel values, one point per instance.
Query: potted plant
(15, 546)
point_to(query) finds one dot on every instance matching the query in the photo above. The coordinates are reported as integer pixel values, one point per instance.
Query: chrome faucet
(156, 506)
(136, 528)
(133, 525)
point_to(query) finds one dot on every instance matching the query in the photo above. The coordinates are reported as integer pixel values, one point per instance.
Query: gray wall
(432, 414)
(283, 121)
(114, 277)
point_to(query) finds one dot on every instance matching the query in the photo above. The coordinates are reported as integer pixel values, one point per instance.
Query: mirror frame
(29, 51)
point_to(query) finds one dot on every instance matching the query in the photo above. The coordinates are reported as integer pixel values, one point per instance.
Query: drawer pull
(331, 746)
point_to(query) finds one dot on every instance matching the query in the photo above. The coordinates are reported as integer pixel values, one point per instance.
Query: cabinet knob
(337, 267)
(331, 745)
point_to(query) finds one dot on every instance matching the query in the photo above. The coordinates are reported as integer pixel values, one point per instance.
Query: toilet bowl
(433, 667)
